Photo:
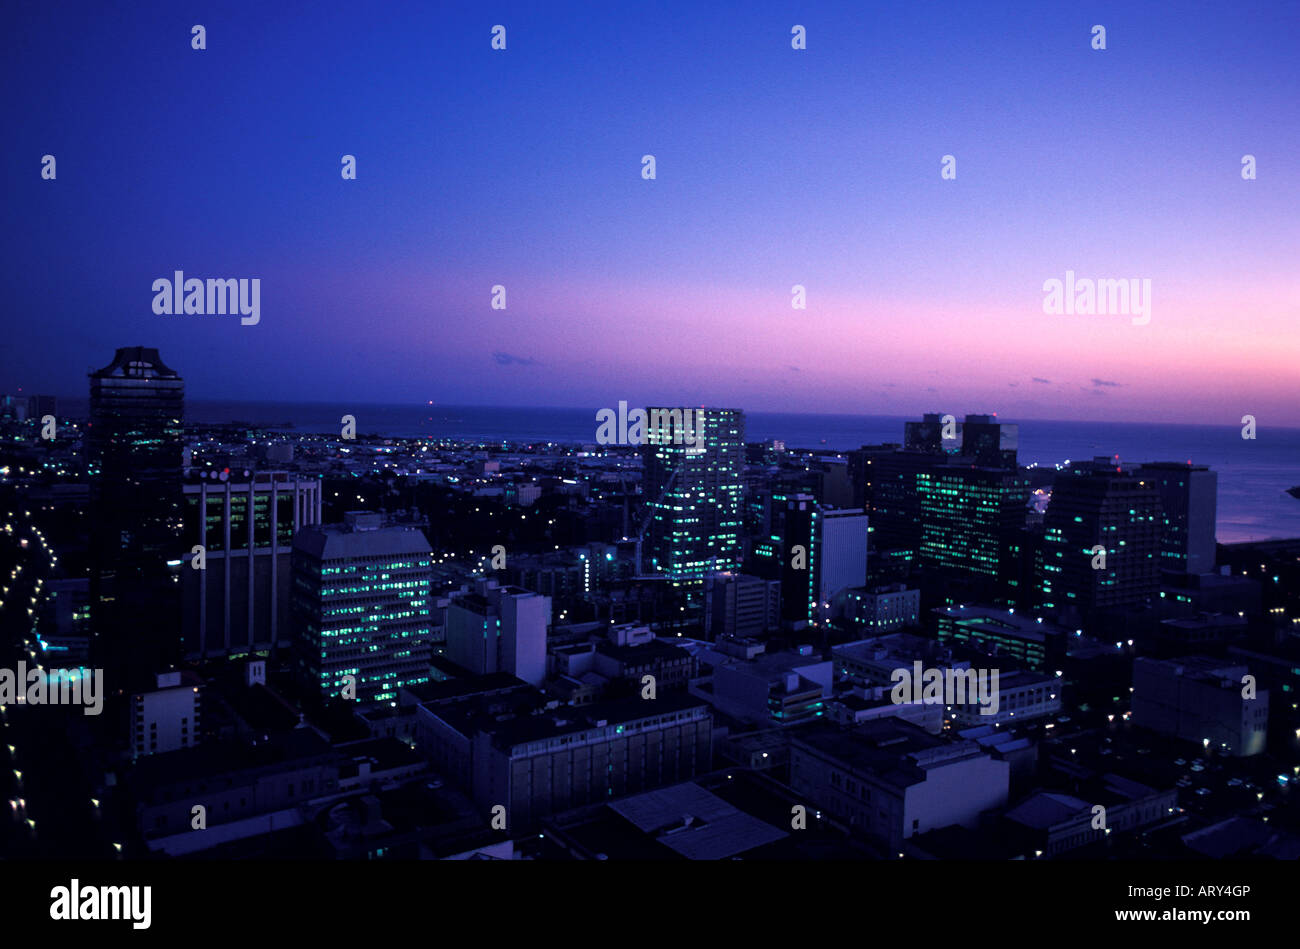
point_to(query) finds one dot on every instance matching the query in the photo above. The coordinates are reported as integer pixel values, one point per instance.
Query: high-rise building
(788, 553)
(862, 472)
(737, 604)
(990, 443)
(969, 518)
(893, 501)
(1189, 502)
(239, 603)
(362, 603)
(1094, 509)
(134, 442)
(841, 559)
(694, 489)
(500, 629)
(927, 434)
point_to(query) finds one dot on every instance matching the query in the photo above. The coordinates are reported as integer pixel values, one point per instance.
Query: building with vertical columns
(239, 604)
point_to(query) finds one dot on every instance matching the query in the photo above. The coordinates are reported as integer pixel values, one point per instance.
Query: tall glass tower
(694, 487)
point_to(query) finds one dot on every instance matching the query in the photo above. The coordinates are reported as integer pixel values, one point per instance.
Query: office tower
(694, 492)
(833, 485)
(134, 444)
(737, 604)
(362, 607)
(969, 517)
(862, 472)
(239, 604)
(1189, 502)
(500, 629)
(1094, 506)
(989, 443)
(927, 434)
(789, 554)
(841, 557)
(895, 502)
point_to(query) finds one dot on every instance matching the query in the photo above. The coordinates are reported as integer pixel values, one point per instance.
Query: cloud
(794, 368)
(1093, 391)
(1046, 382)
(931, 389)
(1103, 382)
(505, 359)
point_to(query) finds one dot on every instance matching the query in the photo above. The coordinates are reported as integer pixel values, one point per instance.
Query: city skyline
(800, 434)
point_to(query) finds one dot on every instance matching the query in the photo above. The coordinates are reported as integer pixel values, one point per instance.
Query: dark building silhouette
(1189, 499)
(134, 445)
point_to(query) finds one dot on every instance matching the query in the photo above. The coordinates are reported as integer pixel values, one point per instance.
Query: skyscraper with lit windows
(1094, 508)
(361, 606)
(694, 493)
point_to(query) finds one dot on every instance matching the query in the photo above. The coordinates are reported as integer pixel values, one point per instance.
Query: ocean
(1253, 474)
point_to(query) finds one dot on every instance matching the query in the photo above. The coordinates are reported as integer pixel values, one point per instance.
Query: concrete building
(500, 629)
(841, 560)
(168, 718)
(509, 750)
(890, 780)
(1021, 696)
(874, 610)
(1200, 699)
(1049, 823)
(737, 604)
(788, 688)
(246, 790)
(1027, 640)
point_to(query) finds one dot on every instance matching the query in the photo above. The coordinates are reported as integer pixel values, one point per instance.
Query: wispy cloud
(506, 359)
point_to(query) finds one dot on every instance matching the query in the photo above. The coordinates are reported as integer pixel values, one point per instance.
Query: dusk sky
(775, 167)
